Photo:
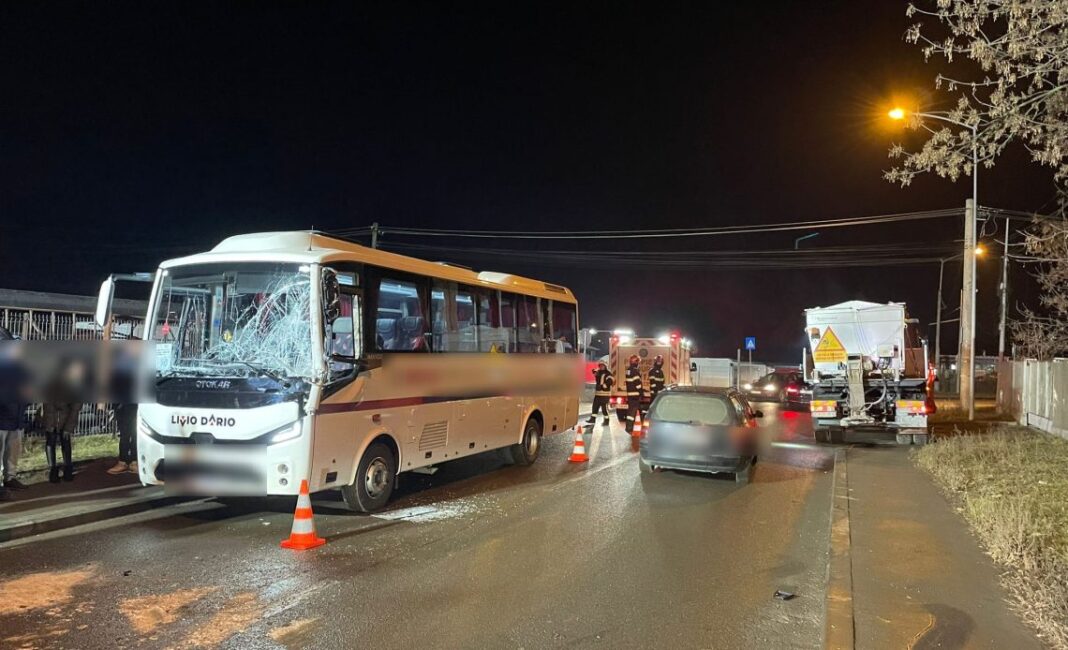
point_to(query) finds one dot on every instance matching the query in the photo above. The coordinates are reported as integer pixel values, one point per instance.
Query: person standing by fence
(61, 416)
(12, 415)
(126, 419)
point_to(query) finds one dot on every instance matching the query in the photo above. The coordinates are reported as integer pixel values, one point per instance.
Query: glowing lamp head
(979, 250)
(897, 113)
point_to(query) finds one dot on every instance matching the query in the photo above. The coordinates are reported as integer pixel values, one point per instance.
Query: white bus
(293, 355)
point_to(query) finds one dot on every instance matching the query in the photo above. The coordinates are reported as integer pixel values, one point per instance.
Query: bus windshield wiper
(263, 370)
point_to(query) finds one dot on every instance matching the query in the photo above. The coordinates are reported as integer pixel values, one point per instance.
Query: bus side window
(565, 325)
(528, 324)
(399, 321)
(508, 301)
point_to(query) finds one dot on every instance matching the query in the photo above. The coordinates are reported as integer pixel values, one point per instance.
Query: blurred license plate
(215, 470)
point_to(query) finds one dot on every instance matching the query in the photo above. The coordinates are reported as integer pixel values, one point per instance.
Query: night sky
(134, 132)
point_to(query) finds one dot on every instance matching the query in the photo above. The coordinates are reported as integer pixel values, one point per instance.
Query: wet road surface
(482, 554)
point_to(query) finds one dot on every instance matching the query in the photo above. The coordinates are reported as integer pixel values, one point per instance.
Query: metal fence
(1035, 393)
(56, 325)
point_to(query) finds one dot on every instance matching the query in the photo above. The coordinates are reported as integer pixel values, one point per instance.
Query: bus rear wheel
(526, 452)
(375, 476)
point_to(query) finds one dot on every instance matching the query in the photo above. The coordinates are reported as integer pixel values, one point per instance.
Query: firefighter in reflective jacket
(602, 391)
(656, 378)
(634, 390)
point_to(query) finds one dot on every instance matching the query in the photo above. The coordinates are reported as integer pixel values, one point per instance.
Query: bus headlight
(144, 429)
(288, 432)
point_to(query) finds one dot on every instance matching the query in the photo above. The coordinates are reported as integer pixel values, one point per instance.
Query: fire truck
(675, 350)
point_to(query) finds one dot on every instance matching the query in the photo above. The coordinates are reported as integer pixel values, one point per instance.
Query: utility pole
(966, 367)
(938, 316)
(374, 235)
(1004, 293)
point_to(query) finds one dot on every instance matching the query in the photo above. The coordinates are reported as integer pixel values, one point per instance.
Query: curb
(838, 632)
(28, 528)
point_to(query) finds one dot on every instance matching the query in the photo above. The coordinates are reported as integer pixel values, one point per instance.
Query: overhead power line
(768, 259)
(667, 232)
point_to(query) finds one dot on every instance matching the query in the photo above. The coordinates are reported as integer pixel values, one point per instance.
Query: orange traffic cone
(637, 431)
(303, 536)
(578, 454)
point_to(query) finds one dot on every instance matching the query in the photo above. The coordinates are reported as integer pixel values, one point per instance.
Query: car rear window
(690, 407)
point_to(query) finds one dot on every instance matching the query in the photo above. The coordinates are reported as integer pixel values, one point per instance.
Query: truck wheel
(822, 435)
(920, 438)
(375, 477)
(526, 452)
(836, 436)
(904, 439)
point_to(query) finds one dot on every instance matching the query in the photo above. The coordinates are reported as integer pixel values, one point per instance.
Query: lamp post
(967, 306)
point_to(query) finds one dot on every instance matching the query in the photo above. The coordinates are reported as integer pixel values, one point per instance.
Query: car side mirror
(758, 414)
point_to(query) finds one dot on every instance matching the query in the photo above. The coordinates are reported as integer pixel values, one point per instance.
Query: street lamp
(967, 321)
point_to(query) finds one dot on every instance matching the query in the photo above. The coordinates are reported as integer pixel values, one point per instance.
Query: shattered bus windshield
(234, 320)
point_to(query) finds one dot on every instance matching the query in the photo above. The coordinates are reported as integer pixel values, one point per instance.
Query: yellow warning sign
(829, 349)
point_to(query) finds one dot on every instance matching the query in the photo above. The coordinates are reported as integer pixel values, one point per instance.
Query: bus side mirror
(104, 301)
(331, 296)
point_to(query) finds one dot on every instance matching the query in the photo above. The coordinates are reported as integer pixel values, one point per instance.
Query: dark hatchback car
(786, 388)
(700, 429)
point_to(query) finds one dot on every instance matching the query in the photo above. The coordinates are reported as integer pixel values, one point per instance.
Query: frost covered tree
(1018, 93)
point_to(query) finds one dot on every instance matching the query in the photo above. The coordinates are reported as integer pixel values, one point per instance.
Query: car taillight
(791, 389)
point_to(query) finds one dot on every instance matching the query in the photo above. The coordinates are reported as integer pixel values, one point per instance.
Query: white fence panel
(1036, 394)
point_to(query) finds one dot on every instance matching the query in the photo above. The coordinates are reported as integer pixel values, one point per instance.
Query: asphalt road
(481, 555)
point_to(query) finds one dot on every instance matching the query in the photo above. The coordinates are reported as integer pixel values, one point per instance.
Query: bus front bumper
(222, 469)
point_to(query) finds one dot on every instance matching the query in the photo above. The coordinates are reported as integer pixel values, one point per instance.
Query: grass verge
(88, 447)
(1012, 488)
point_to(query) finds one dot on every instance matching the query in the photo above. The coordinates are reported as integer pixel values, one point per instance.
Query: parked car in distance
(700, 429)
(786, 388)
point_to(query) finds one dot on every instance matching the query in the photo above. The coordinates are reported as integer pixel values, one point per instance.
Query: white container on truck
(869, 372)
(676, 355)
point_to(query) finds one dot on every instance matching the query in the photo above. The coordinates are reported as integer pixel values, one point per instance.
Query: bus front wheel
(526, 452)
(375, 477)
